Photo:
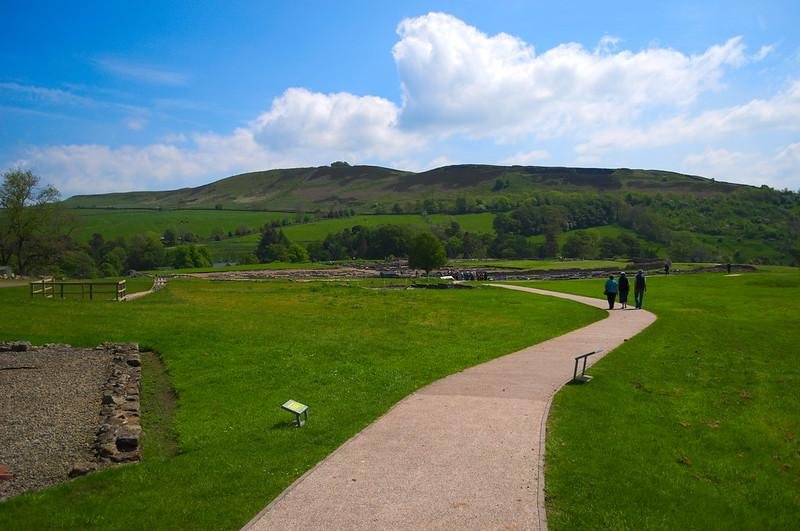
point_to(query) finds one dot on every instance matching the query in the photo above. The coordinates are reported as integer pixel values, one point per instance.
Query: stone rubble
(65, 412)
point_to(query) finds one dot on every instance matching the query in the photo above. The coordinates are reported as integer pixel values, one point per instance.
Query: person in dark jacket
(623, 287)
(639, 287)
(611, 291)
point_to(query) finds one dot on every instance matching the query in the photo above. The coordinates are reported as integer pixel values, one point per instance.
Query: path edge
(541, 465)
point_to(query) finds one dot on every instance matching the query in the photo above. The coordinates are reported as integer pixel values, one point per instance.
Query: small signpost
(583, 377)
(300, 411)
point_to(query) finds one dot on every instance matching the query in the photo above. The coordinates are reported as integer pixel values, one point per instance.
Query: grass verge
(234, 353)
(693, 423)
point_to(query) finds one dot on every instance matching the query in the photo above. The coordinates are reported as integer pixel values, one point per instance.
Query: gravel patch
(49, 405)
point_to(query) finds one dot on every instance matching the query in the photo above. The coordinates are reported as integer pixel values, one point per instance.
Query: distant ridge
(361, 187)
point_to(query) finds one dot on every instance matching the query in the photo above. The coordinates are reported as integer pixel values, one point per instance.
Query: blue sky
(116, 96)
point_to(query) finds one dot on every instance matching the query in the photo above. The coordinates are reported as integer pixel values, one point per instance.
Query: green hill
(589, 213)
(364, 187)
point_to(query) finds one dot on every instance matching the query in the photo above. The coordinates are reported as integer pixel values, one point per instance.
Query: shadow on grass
(284, 425)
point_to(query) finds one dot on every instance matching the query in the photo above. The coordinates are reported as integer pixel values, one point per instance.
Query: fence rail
(48, 287)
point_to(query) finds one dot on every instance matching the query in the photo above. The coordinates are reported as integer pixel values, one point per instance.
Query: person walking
(611, 291)
(639, 287)
(623, 288)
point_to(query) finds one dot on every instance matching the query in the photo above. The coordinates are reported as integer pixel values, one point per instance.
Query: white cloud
(780, 169)
(37, 94)
(527, 158)
(93, 168)
(136, 123)
(303, 123)
(781, 112)
(456, 79)
(763, 52)
(173, 138)
(139, 72)
(607, 44)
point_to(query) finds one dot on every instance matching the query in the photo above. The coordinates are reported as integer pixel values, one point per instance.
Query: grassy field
(318, 230)
(244, 267)
(613, 231)
(693, 423)
(234, 352)
(114, 223)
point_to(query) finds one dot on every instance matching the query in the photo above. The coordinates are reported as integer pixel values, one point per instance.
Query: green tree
(296, 253)
(114, 262)
(191, 256)
(272, 246)
(170, 237)
(31, 224)
(77, 264)
(426, 252)
(550, 246)
(145, 251)
(581, 244)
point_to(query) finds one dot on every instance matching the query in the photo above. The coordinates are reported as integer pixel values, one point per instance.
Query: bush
(187, 256)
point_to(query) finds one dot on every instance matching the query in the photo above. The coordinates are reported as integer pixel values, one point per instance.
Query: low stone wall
(120, 430)
(68, 411)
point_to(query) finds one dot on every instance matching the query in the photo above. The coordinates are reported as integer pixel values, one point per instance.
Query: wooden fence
(49, 288)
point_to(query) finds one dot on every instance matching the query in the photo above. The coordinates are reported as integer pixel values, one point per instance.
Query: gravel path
(49, 405)
(466, 452)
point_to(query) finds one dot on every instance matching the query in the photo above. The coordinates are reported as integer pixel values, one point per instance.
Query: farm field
(693, 423)
(234, 352)
(244, 267)
(318, 230)
(115, 223)
(613, 231)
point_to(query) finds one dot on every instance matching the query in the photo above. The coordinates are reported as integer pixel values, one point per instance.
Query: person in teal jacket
(611, 291)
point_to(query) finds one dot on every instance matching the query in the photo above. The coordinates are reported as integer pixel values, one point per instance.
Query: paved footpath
(465, 452)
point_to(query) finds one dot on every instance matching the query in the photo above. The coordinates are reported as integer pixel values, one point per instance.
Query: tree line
(35, 232)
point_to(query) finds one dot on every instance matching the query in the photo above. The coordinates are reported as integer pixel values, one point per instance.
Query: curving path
(158, 285)
(465, 452)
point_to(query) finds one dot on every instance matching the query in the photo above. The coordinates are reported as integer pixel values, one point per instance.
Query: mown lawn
(693, 423)
(234, 353)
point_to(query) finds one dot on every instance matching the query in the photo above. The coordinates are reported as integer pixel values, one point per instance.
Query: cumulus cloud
(457, 79)
(780, 169)
(95, 168)
(341, 124)
(456, 82)
(781, 112)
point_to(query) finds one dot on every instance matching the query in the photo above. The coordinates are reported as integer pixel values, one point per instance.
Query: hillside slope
(361, 187)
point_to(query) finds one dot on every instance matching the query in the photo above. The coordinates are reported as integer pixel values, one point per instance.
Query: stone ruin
(68, 411)
(119, 432)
